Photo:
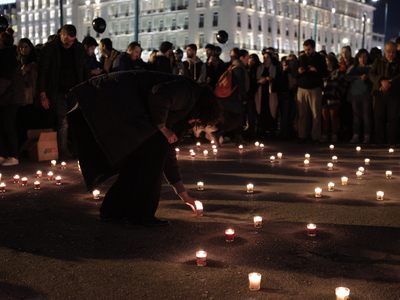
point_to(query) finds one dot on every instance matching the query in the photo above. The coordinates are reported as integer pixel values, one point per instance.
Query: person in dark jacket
(126, 123)
(130, 60)
(108, 54)
(90, 44)
(162, 61)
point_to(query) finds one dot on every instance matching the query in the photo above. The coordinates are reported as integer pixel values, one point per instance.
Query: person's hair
(362, 51)
(291, 56)
(217, 51)
(208, 107)
(210, 46)
(375, 51)
(348, 48)
(256, 58)
(271, 56)
(8, 39)
(271, 49)
(32, 55)
(398, 40)
(9, 30)
(333, 61)
(236, 52)
(107, 42)
(133, 45)
(69, 29)
(310, 43)
(390, 44)
(323, 52)
(179, 51)
(165, 46)
(192, 46)
(51, 38)
(89, 41)
(243, 53)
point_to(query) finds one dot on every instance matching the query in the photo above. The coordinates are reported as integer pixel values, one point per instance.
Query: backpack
(223, 88)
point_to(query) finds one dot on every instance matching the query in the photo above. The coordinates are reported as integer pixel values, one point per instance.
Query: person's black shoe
(154, 222)
(110, 218)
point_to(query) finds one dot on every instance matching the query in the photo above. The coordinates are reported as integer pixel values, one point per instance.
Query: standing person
(63, 64)
(90, 44)
(178, 67)
(359, 96)
(108, 54)
(152, 109)
(193, 67)
(215, 67)
(385, 76)
(130, 60)
(346, 59)
(312, 70)
(162, 60)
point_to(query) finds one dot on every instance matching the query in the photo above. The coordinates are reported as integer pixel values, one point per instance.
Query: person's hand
(312, 69)
(386, 85)
(262, 80)
(188, 200)
(96, 71)
(364, 77)
(301, 70)
(44, 101)
(169, 134)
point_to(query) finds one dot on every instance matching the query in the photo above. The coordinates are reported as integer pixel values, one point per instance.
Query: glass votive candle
(58, 180)
(16, 178)
(330, 166)
(250, 188)
(205, 152)
(198, 144)
(312, 230)
(201, 258)
(318, 192)
(2, 187)
(367, 161)
(358, 148)
(391, 150)
(50, 176)
(215, 151)
(257, 221)
(279, 155)
(63, 165)
(344, 180)
(96, 194)
(388, 174)
(177, 150)
(331, 186)
(257, 144)
(358, 175)
(254, 281)
(334, 159)
(36, 185)
(272, 158)
(200, 185)
(331, 147)
(262, 146)
(53, 162)
(229, 235)
(240, 147)
(190, 151)
(24, 181)
(362, 170)
(306, 162)
(193, 154)
(307, 156)
(212, 142)
(199, 207)
(379, 195)
(39, 174)
(342, 293)
(214, 146)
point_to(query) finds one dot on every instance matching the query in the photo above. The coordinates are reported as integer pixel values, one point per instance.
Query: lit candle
(58, 180)
(362, 170)
(53, 162)
(24, 181)
(177, 150)
(379, 195)
(193, 154)
(391, 150)
(229, 235)
(256, 144)
(16, 178)
(279, 155)
(358, 175)
(306, 162)
(250, 188)
(201, 258)
(307, 156)
(212, 142)
(96, 194)
(79, 166)
(358, 148)
(198, 144)
(342, 293)
(39, 174)
(272, 158)
(205, 152)
(50, 176)
(331, 186)
(215, 151)
(367, 161)
(1, 175)
(214, 146)
(388, 174)
(257, 221)
(254, 281)
(200, 185)
(240, 147)
(199, 207)
(312, 230)
(261, 146)
(334, 159)
(318, 192)
(344, 180)
(2, 187)
(191, 151)
(331, 147)
(63, 165)
(36, 185)
(330, 166)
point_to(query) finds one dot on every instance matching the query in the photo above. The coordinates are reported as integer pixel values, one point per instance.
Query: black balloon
(3, 23)
(99, 25)
(222, 36)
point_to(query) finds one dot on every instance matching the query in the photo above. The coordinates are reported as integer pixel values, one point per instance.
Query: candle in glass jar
(215, 151)
(391, 150)
(50, 176)
(318, 192)
(331, 186)
(39, 174)
(229, 235)
(262, 146)
(388, 174)
(199, 207)
(212, 142)
(379, 195)
(342, 293)
(279, 155)
(198, 144)
(96, 194)
(331, 147)
(272, 158)
(214, 146)
(358, 175)
(330, 166)
(193, 154)
(254, 281)
(53, 162)
(250, 188)
(358, 149)
(201, 258)
(177, 150)
(362, 170)
(312, 230)
(306, 162)
(205, 152)
(58, 180)
(334, 159)
(344, 180)
(307, 156)
(16, 178)
(36, 185)
(256, 144)
(63, 165)
(367, 161)
(240, 147)
(257, 221)
(200, 185)
(2, 187)
(24, 181)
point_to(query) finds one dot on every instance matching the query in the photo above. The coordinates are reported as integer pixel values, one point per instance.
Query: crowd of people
(315, 96)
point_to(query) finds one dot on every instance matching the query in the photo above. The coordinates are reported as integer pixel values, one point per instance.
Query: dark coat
(380, 71)
(123, 62)
(309, 79)
(119, 111)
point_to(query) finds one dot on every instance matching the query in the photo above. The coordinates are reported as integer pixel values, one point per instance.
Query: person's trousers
(386, 109)
(309, 100)
(330, 116)
(362, 114)
(8, 133)
(62, 108)
(136, 192)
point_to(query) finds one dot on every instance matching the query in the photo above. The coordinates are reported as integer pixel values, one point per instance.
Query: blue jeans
(362, 114)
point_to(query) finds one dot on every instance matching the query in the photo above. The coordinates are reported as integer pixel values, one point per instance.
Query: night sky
(393, 28)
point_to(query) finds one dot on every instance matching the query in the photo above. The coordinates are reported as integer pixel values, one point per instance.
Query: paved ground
(52, 246)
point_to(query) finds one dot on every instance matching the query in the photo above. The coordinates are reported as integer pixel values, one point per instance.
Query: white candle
(240, 147)
(388, 174)
(261, 146)
(16, 178)
(212, 142)
(307, 156)
(214, 146)
(96, 194)
(272, 158)
(191, 151)
(358, 148)
(215, 151)
(342, 293)
(256, 144)
(200, 185)
(379, 195)
(257, 221)
(306, 162)
(358, 175)
(63, 165)
(39, 174)
(50, 176)
(391, 150)
(201, 258)
(198, 144)
(330, 166)
(331, 186)
(279, 155)
(367, 161)
(36, 185)
(250, 188)
(312, 230)
(334, 159)
(362, 170)
(199, 207)
(53, 162)
(58, 180)
(254, 281)
(318, 192)
(24, 181)
(177, 150)
(331, 147)
(229, 235)
(205, 152)
(2, 187)
(344, 180)
(192, 154)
